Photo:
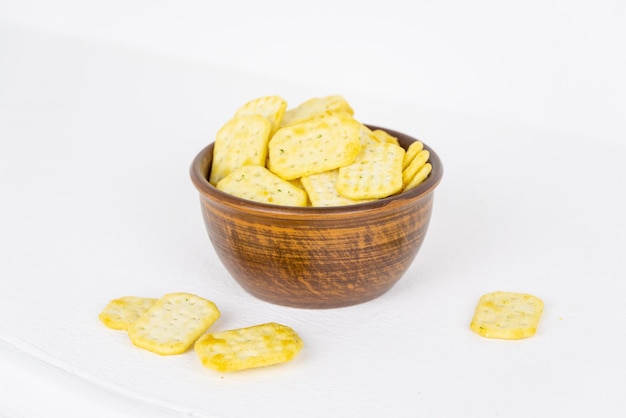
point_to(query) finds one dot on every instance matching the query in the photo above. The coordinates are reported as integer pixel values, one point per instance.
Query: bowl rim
(200, 181)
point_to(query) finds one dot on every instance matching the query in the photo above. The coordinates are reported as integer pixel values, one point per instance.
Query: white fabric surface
(103, 107)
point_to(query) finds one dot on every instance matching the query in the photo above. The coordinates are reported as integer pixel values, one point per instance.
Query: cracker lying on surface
(173, 323)
(507, 315)
(241, 141)
(120, 313)
(250, 347)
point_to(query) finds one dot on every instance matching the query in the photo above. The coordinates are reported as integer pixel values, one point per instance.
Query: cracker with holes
(246, 348)
(261, 185)
(507, 315)
(322, 190)
(368, 137)
(375, 173)
(120, 313)
(271, 107)
(317, 107)
(173, 323)
(384, 136)
(241, 141)
(314, 146)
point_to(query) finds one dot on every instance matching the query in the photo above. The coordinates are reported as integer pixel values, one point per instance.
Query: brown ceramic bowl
(317, 257)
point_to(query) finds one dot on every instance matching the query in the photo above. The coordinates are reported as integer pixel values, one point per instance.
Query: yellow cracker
(411, 152)
(241, 141)
(375, 173)
(367, 136)
(507, 315)
(420, 159)
(246, 348)
(261, 185)
(121, 312)
(314, 146)
(271, 107)
(173, 323)
(322, 191)
(297, 182)
(419, 177)
(316, 107)
(384, 136)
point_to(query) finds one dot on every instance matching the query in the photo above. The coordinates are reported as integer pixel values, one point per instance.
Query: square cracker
(261, 185)
(120, 313)
(245, 348)
(375, 173)
(173, 323)
(368, 137)
(314, 146)
(240, 141)
(322, 190)
(384, 136)
(507, 315)
(315, 108)
(271, 107)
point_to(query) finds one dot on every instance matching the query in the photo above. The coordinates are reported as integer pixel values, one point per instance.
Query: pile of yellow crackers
(315, 154)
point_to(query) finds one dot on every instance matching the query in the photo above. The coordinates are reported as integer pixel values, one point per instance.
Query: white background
(103, 105)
